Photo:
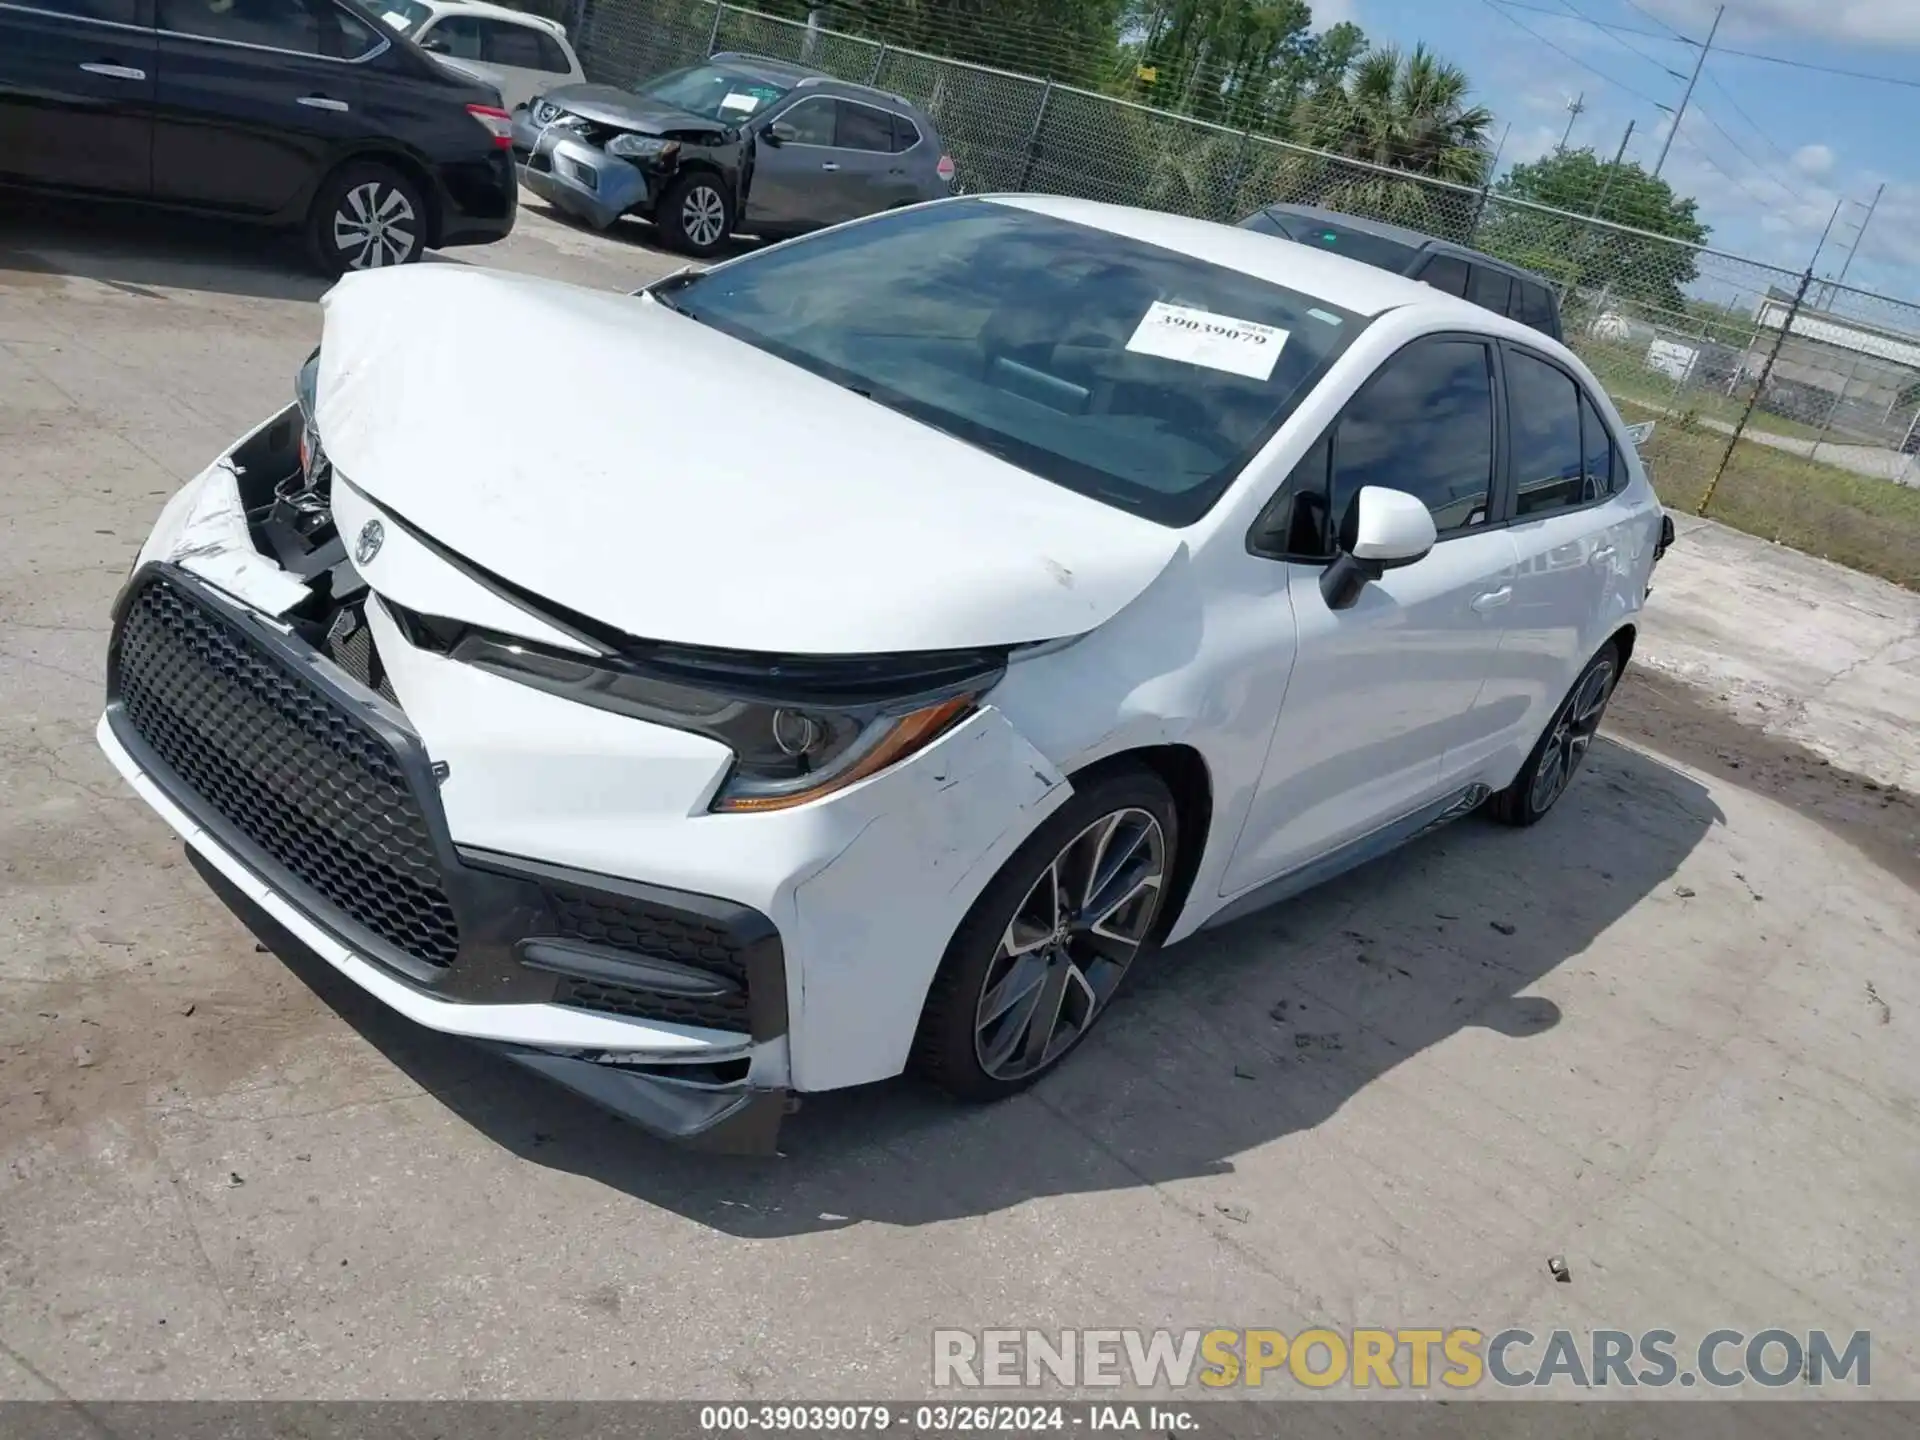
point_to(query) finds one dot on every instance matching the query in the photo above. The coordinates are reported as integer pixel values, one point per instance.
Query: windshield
(404, 16)
(712, 92)
(1136, 375)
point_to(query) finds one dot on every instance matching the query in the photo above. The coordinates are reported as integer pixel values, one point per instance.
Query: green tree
(1243, 63)
(1407, 113)
(1550, 231)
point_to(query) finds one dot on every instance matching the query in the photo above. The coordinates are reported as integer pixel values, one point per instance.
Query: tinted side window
(276, 24)
(1596, 444)
(1535, 305)
(456, 35)
(906, 134)
(1549, 466)
(1447, 274)
(121, 12)
(345, 36)
(1622, 476)
(1423, 424)
(1489, 288)
(862, 127)
(813, 119)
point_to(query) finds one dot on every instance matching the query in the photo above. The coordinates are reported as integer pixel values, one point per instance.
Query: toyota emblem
(368, 545)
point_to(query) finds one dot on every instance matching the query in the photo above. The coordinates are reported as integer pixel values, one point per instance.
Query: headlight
(786, 752)
(641, 147)
(305, 386)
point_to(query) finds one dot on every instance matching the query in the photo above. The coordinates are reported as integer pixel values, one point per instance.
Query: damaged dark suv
(737, 141)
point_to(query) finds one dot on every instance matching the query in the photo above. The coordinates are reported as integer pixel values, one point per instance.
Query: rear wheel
(695, 214)
(1044, 950)
(1551, 766)
(366, 217)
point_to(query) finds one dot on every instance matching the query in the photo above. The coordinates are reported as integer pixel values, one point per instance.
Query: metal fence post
(878, 61)
(1479, 209)
(1759, 384)
(713, 35)
(1033, 137)
(1238, 177)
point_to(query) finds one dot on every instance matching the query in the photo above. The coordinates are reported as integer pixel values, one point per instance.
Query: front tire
(1551, 767)
(1046, 947)
(366, 217)
(696, 214)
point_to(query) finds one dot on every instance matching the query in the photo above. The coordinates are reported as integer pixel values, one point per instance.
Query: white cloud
(1329, 13)
(1894, 22)
(1813, 160)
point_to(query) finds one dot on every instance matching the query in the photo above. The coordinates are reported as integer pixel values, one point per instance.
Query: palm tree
(1407, 114)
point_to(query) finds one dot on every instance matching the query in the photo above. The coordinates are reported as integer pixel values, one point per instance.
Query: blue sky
(1766, 150)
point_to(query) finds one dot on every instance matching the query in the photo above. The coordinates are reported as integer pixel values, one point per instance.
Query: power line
(1597, 24)
(1614, 35)
(1759, 169)
(1822, 69)
(1632, 5)
(1495, 6)
(1727, 95)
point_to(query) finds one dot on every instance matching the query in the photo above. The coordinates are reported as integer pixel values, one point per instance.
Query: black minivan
(298, 114)
(1502, 288)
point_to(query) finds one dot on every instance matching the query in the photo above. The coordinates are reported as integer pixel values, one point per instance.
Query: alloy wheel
(375, 226)
(703, 215)
(1069, 943)
(1571, 737)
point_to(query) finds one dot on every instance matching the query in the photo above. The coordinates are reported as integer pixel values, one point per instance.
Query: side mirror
(1384, 530)
(434, 44)
(779, 133)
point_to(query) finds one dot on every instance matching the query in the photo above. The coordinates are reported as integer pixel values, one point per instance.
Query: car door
(1571, 531)
(76, 95)
(255, 97)
(866, 176)
(528, 58)
(1384, 690)
(787, 191)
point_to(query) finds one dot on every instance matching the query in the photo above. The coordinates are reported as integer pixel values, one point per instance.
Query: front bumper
(581, 179)
(316, 800)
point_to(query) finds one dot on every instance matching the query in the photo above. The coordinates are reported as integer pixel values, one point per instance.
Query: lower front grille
(622, 923)
(267, 751)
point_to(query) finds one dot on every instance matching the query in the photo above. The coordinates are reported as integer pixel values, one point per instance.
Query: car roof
(1353, 285)
(769, 67)
(1415, 239)
(502, 12)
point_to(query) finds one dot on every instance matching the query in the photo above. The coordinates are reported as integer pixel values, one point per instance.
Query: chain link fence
(1787, 407)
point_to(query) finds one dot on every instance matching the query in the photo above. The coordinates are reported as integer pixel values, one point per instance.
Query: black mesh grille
(298, 776)
(727, 1014)
(626, 924)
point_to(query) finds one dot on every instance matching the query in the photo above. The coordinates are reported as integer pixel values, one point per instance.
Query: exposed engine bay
(285, 485)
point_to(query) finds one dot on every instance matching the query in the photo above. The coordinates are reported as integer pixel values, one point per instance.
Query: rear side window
(289, 25)
(1447, 274)
(1489, 287)
(906, 134)
(522, 46)
(861, 127)
(1596, 443)
(1533, 305)
(1549, 463)
(1422, 424)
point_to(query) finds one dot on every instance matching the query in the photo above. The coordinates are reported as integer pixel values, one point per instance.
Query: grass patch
(1855, 520)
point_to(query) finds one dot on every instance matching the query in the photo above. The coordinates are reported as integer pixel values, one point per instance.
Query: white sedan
(839, 662)
(525, 55)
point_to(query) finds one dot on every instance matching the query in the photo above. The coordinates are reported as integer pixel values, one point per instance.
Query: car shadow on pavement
(1228, 1042)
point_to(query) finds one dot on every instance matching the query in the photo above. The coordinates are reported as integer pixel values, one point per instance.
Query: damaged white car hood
(624, 461)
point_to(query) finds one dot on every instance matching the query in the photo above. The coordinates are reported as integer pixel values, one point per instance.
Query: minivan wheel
(1551, 767)
(366, 217)
(695, 214)
(1044, 950)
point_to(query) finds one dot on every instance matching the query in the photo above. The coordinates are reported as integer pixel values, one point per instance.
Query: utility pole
(1826, 232)
(1574, 108)
(1855, 250)
(1606, 182)
(1681, 113)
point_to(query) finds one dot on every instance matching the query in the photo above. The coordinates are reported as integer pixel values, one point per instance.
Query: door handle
(1492, 600)
(1601, 556)
(829, 165)
(323, 102)
(114, 72)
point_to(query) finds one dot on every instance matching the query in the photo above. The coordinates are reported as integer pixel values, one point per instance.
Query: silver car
(738, 141)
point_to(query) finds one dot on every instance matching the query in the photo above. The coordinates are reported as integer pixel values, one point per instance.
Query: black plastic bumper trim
(617, 967)
(742, 1120)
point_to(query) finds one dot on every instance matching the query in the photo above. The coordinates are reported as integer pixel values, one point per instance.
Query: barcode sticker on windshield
(1200, 337)
(737, 101)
